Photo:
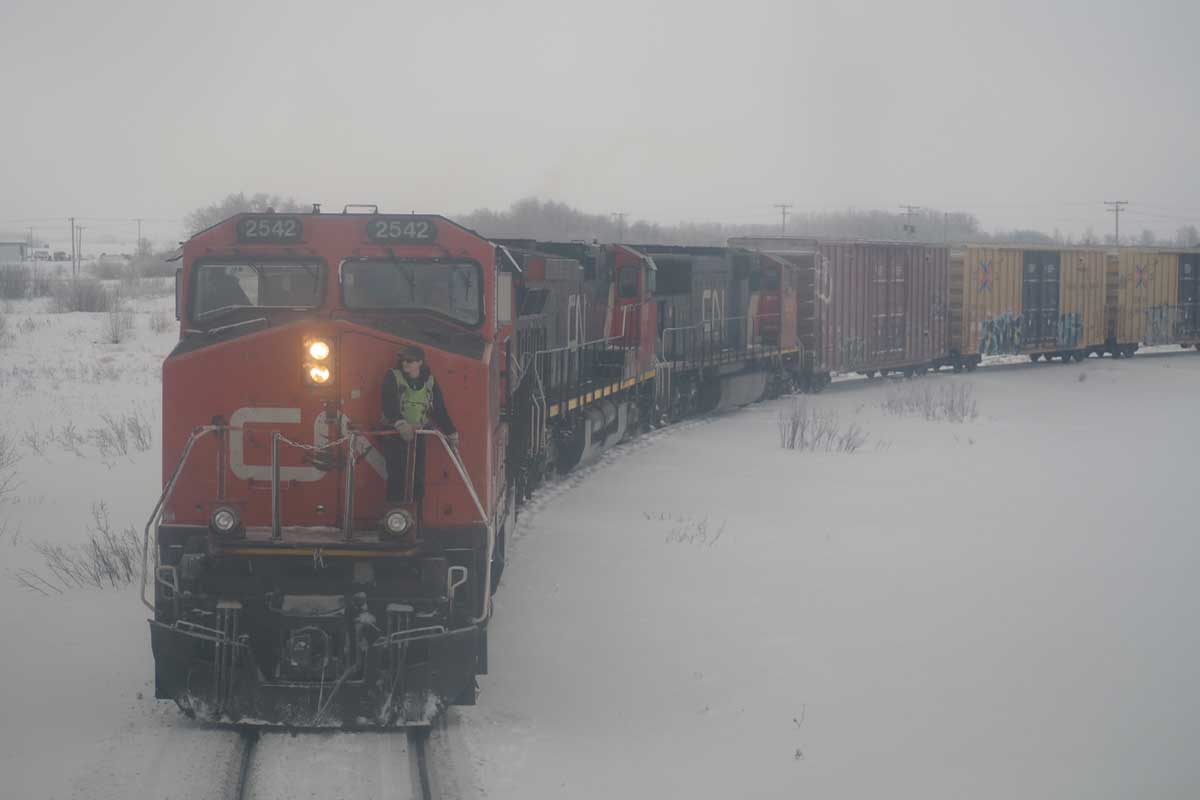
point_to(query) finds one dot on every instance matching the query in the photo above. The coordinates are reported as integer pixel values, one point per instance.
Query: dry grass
(79, 294)
(953, 402)
(118, 323)
(117, 434)
(802, 428)
(108, 558)
(9, 458)
(160, 321)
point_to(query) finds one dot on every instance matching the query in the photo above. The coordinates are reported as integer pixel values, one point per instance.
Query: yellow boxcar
(1154, 297)
(1008, 300)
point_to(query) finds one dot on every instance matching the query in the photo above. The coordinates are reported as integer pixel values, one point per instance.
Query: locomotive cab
(288, 586)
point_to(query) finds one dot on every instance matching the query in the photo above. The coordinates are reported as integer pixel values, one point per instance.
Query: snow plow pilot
(412, 400)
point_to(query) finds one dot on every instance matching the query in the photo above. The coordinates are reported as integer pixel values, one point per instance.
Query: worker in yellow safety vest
(412, 400)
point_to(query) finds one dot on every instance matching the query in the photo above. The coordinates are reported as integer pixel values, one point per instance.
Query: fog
(1025, 114)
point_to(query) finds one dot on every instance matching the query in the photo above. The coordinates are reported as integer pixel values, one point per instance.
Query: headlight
(225, 520)
(396, 522)
(318, 374)
(318, 350)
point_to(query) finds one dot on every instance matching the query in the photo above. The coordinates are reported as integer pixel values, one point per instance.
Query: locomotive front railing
(351, 441)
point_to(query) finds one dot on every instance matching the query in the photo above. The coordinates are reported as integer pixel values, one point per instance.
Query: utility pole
(138, 247)
(783, 215)
(620, 215)
(74, 262)
(1115, 208)
(909, 213)
(79, 231)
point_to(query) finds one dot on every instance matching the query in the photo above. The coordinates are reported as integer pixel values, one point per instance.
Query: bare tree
(238, 203)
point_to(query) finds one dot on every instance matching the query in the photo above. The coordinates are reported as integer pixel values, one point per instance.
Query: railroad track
(385, 765)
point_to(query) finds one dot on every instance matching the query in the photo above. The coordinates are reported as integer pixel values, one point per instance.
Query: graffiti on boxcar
(1001, 334)
(824, 281)
(1140, 276)
(1160, 325)
(853, 351)
(985, 275)
(937, 309)
(1070, 329)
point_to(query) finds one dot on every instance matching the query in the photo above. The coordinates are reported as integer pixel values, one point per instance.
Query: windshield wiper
(220, 311)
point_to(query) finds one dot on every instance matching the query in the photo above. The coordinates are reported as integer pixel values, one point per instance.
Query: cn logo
(289, 416)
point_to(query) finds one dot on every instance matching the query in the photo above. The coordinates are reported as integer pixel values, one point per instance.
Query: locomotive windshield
(451, 289)
(229, 285)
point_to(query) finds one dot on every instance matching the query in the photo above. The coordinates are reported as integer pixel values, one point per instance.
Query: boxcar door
(1031, 299)
(898, 303)
(878, 346)
(1051, 279)
(1189, 295)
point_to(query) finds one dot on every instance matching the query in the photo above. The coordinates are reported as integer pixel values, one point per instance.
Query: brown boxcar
(881, 306)
(1154, 298)
(866, 306)
(1027, 300)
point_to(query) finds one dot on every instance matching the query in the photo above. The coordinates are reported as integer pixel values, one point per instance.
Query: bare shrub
(107, 269)
(108, 558)
(954, 402)
(41, 283)
(9, 458)
(803, 428)
(6, 335)
(68, 438)
(79, 294)
(35, 440)
(14, 281)
(160, 321)
(27, 325)
(119, 433)
(118, 323)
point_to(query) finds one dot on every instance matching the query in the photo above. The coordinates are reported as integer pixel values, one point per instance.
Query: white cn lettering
(289, 416)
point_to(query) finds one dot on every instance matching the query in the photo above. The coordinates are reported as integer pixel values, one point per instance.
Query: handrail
(162, 500)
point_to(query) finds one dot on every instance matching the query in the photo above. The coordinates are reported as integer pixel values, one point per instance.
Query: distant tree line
(533, 218)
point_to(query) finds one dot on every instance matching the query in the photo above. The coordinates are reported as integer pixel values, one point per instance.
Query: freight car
(1153, 298)
(1069, 303)
(871, 308)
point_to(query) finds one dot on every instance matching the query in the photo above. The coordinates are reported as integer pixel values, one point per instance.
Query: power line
(909, 213)
(1115, 207)
(620, 215)
(783, 215)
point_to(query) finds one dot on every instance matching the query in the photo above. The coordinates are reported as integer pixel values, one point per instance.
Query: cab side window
(628, 283)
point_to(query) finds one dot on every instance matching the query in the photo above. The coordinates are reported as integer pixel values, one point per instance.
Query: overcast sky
(1026, 114)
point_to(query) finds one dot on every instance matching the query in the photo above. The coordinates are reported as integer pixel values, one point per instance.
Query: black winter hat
(411, 353)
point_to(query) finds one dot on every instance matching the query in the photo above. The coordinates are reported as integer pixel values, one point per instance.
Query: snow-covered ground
(995, 608)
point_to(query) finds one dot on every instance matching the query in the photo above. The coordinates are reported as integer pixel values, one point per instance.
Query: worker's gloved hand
(453, 440)
(405, 429)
